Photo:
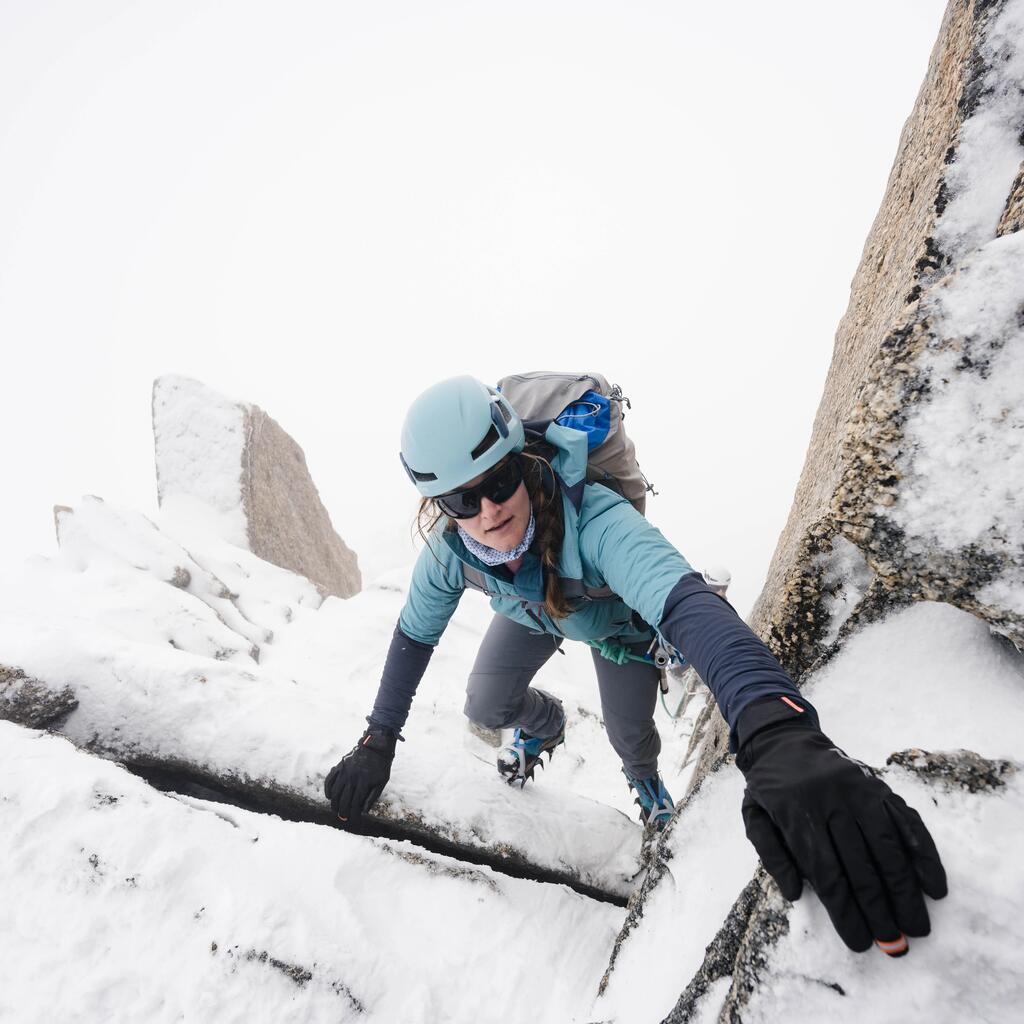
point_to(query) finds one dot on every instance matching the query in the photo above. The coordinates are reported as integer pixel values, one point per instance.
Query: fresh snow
(930, 676)
(159, 670)
(845, 579)
(125, 904)
(710, 862)
(200, 437)
(147, 653)
(990, 150)
(964, 457)
(968, 969)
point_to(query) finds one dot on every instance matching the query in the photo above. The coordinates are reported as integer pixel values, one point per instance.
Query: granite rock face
(886, 511)
(287, 523)
(236, 459)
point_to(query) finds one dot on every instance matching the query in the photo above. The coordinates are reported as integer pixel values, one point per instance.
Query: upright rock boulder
(234, 458)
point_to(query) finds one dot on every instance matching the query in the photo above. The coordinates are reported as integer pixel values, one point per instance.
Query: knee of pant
(489, 714)
(636, 740)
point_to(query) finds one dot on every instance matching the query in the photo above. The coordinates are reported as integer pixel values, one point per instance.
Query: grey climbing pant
(499, 694)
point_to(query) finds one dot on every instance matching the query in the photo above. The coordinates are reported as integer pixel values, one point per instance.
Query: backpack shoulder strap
(577, 589)
(476, 580)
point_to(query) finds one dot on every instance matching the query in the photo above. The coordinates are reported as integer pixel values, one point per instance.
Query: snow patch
(100, 536)
(989, 150)
(150, 908)
(969, 968)
(711, 861)
(156, 670)
(929, 676)
(1005, 591)
(200, 438)
(845, 579)
(964, 455)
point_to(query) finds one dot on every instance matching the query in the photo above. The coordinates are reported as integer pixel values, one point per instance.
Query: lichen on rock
(32, 702)
(963, 769)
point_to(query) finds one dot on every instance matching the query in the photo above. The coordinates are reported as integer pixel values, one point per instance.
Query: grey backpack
(586, 402)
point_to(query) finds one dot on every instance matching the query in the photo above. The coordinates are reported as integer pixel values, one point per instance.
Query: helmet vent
(490, 439)
(413, 475)
(503, 408)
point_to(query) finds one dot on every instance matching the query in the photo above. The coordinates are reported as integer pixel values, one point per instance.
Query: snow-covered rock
(903, 551)
(152, 658)
(176, 647)
(125, 904)
(930, 677)
(917, 452)
(234, 458)
(125, 545)
(28, 701)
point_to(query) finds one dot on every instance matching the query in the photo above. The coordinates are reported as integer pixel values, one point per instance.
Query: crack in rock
(263, 797)
(296, 972)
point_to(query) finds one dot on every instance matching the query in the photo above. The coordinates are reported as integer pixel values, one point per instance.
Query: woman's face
(502, 526)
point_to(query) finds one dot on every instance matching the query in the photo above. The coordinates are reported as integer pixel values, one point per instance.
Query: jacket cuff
(380, 729)
(380, 738)
(768, 711)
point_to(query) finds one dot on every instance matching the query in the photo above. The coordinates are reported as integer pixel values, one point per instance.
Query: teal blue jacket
(607, 546)
(607, 543)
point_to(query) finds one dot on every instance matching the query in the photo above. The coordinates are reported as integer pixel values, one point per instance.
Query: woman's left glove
(814, 812)
(356, 782)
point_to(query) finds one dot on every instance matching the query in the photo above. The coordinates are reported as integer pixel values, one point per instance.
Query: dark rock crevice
(267, 798)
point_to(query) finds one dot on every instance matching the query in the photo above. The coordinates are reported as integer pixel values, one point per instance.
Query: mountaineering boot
(517, 761)
(656, 806)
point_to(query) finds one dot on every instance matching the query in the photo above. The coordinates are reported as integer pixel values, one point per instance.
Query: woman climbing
(523, 520)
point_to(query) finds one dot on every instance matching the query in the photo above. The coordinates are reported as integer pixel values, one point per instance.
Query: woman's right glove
(814, 812)
(356, 782)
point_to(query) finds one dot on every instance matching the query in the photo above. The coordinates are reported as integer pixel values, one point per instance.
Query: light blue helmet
(455, 431)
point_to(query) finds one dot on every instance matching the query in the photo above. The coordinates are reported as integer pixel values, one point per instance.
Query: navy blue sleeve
(737, 667)
(403, 669)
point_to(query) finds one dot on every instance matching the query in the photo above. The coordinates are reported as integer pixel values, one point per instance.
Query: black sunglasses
(498, 486)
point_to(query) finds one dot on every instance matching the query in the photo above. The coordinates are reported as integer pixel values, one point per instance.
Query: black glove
(354, 784)
(813, 811)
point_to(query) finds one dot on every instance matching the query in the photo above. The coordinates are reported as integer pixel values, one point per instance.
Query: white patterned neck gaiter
(491, 556)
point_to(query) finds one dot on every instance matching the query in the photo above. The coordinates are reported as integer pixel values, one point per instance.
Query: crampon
(517, 761)
(656, 806)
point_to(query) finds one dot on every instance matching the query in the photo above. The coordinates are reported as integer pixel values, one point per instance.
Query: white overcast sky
(324, 207)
